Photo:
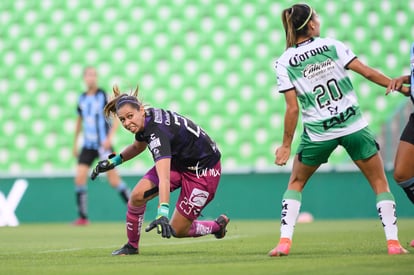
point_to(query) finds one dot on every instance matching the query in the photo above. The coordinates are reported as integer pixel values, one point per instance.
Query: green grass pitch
(321, 247)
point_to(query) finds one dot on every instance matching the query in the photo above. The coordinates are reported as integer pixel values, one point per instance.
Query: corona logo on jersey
(297, 59)
(9, 204)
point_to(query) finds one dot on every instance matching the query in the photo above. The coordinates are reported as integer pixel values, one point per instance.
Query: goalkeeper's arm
(163, 167)
(133, 150)
(161, 221)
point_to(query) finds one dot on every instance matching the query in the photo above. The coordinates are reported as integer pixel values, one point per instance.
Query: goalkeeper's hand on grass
(105, 165)
(161, 222)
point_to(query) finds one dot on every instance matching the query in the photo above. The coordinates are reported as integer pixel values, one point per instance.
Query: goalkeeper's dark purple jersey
(170, 135)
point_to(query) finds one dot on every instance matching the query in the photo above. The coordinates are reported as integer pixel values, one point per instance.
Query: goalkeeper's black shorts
(408, 133)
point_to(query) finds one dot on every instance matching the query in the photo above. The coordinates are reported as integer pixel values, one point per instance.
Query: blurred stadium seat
(210, 60)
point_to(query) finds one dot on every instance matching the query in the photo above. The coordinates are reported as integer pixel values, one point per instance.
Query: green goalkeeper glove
(107, 164)
(161, 222)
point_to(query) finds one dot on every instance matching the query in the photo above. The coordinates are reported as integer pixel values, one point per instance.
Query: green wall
(333, 195)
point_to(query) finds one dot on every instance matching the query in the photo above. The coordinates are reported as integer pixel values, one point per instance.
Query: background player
(97, 141)
(404, 164)
(313, 70)
(184, 156)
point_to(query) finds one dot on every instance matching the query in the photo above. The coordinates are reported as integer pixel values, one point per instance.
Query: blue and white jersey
(95, 127)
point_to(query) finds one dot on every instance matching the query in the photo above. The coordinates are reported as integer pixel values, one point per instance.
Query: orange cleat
(282, 249)
(395, 248)
(81, 222)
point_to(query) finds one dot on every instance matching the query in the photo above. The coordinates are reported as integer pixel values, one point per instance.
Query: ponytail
(119, 100)
(288, 26)
(295, 20)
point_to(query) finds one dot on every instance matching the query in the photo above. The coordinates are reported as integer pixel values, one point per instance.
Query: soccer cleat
(282, 248)
(395, 248)
(81, 222)
(222, 221)
(127, 249)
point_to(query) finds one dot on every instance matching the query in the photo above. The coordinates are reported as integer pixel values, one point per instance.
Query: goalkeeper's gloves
(105, 165)
(161, 222)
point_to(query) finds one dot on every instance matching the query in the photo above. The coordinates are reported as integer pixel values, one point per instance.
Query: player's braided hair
(295, 20)
(119, 100)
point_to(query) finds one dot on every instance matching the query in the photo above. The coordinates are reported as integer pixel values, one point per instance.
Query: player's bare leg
(373, 170)
(404, 168)
(291, 205)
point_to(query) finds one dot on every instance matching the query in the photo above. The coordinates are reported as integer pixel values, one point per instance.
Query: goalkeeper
(184, 156)
(403, 167)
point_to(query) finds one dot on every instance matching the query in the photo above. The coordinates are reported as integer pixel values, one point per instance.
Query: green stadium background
(212, 61)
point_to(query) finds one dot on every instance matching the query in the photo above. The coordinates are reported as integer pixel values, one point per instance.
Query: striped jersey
(95, 127)
(316, 69)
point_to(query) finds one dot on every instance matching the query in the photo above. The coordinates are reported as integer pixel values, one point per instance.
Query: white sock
(290, 212)
(387, 215)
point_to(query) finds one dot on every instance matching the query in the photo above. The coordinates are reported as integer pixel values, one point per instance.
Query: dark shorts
(88, 156)
(408, 133)
(358, 145)
(197, 190)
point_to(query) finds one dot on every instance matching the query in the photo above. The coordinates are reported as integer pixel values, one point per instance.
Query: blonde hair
(87, 68)
(295, 20)
(119, 100)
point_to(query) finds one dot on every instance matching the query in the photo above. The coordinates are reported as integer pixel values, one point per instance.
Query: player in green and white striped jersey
(315, 69)
(312, 71)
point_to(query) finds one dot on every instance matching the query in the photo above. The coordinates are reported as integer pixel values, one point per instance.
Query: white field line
(166, 242)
